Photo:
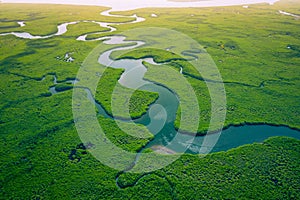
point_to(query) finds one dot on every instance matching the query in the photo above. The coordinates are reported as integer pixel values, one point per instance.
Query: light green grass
(250, 49)
(42, 154)
(136, 101)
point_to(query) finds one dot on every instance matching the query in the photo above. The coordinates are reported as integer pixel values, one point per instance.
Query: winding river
(132, 77)
(167, 103)
(63, 28)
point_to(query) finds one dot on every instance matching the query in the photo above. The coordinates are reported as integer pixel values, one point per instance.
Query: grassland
(256, 51)
(137, 103)
(44, 158)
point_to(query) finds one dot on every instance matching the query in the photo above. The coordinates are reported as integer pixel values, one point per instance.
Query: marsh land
(255, 48)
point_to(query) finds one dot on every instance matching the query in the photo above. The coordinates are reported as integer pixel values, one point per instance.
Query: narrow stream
(168, 102)
(288, 14)
(63, 28)
(160, 117)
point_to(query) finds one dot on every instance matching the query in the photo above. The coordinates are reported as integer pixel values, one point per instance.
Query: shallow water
(161, 116)
(63, 28)
(288, 14)
(237, 136)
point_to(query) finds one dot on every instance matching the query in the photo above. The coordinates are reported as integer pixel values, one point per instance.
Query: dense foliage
(44, 158)
(137, 101)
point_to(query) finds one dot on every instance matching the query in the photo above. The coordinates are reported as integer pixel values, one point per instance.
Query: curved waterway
(288, 14)
(160, 116)
(63, 28)
(168, 102)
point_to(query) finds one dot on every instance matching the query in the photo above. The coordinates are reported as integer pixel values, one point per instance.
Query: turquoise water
(161, 115)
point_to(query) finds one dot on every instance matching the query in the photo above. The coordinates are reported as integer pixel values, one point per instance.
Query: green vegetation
(123, 140)
(9, 24)
(137, 101)
(63, 87)
(158, 55)
(48, 17)
(255, 50)
(81, 29)
(259, 171)
(44, 158)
